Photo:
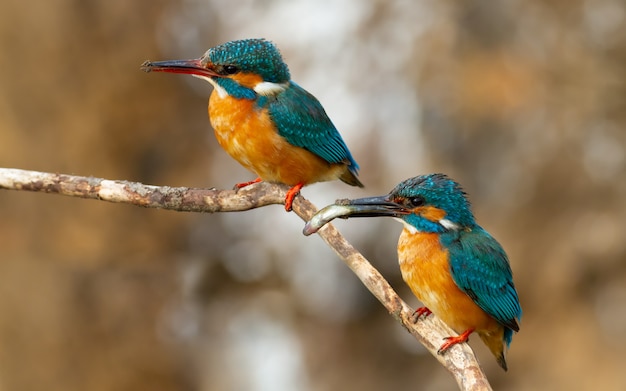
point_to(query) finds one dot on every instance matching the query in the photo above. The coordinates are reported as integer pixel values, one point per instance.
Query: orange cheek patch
(430, 212)
(247, 79)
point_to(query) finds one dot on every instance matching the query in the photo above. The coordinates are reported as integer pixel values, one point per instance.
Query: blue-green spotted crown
(257, 56)
(440, 191)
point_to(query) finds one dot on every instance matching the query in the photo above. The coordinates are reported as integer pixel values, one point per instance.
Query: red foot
(291, 194)
(419, 312)
(450, 341)
(244, 184)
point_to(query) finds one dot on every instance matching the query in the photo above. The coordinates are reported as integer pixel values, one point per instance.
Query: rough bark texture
(459, 360)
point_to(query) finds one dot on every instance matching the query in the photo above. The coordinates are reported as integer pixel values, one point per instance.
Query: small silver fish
(362, 207)
(326, 215)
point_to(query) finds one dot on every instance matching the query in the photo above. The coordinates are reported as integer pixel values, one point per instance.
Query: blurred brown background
(522, 101)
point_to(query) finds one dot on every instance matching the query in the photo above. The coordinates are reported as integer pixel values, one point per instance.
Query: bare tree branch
(459, 360)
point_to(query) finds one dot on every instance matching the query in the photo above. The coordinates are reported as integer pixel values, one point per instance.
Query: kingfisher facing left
(265, 121)
(454, 267)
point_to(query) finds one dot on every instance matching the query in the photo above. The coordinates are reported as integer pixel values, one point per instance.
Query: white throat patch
(407, 226)
(447, 224)
(220, 91)
(267, 88)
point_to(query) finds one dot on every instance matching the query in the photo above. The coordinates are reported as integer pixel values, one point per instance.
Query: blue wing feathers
(479, 267)
(301, 119)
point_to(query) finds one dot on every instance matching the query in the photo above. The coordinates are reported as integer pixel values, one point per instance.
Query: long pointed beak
(361, 207)
(189, 67)
(373, 206)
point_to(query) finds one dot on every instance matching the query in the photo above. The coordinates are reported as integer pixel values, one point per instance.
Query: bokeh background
(522, 101)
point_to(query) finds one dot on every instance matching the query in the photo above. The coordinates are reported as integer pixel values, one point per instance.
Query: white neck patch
(267, 88)
(447, 224)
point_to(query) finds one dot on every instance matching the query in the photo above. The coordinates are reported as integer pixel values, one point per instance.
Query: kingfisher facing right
(453, 266)
(268, 123)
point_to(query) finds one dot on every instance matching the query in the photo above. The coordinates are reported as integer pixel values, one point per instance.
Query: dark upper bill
(189, 67)
(362, 207)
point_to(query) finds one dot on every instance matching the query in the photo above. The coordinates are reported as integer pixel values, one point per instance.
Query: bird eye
(230, 69)
(416, 201)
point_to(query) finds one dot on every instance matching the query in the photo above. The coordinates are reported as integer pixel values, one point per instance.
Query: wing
(480, 267)
(301, 119)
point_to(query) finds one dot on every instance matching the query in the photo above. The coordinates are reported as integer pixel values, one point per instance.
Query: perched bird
(268, 123)
(453, 266)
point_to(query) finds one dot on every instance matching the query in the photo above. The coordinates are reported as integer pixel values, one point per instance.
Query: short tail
(496, 342)
(350, 173)
(350, 178)
(502, 361)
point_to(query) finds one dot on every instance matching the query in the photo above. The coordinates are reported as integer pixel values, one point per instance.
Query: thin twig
(459, 360)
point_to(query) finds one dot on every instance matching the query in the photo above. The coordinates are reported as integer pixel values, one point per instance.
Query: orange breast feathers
(426, 270)
(249, 136)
